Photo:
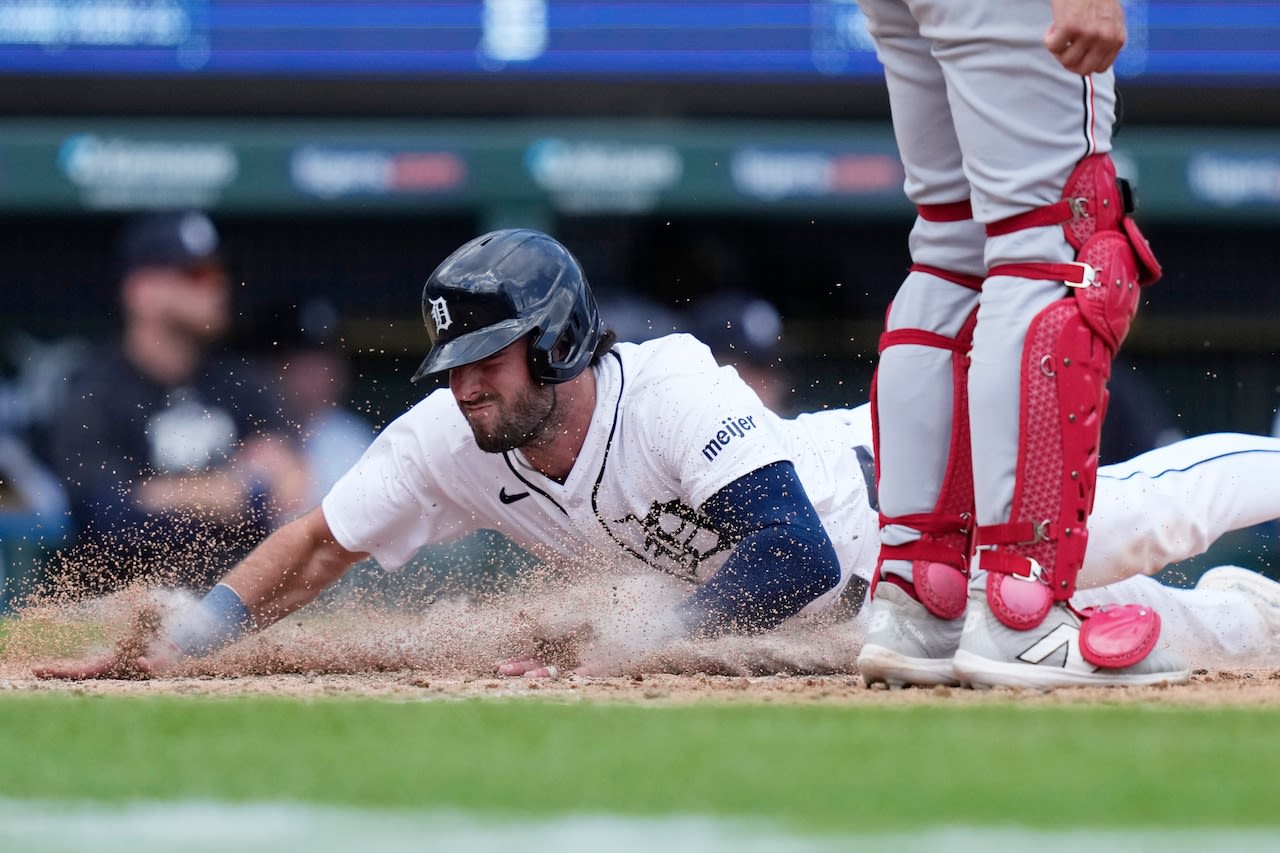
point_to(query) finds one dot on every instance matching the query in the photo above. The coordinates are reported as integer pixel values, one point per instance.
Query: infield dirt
(449, 649)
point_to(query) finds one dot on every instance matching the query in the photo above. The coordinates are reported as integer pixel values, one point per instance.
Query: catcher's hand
(1086, 35)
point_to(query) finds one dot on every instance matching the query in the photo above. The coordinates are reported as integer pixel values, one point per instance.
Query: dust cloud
(617, 624)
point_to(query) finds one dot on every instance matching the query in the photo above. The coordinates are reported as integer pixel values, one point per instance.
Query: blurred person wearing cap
(299, 347)
(176, 458)
(745, 332)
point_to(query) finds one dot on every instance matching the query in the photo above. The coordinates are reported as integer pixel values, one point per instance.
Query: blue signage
(1172, 42)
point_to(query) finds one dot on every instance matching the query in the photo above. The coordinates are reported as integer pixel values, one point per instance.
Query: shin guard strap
(1018, 592)
(1051, 214)
(920, 338)
(973, 282)
(954, 211)
(1073, 274)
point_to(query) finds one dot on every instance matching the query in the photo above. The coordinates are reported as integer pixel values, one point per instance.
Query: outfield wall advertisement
(625, 166)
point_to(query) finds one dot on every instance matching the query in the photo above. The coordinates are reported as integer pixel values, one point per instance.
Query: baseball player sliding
(651, 458)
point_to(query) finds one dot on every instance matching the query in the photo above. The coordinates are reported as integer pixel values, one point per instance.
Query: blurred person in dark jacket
(176, 459)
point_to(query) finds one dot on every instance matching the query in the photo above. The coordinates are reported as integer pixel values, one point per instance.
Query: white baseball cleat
(1263, 593)
(991, 654)
(905, 643)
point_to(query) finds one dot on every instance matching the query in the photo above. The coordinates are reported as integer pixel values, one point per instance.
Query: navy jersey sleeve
(782, 561)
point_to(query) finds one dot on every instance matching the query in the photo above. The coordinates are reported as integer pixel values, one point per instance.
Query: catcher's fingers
(1085, 60)
(1083, 53)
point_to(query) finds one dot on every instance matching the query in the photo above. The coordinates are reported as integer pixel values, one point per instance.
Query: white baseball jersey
(670, 429)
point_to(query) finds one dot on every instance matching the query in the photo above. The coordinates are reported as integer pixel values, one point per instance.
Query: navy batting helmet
(502, 286)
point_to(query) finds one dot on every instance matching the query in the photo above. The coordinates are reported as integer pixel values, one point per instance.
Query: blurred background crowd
(217, 217)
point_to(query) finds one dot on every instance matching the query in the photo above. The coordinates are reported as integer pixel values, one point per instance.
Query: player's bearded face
(505, 408)
(520, 420)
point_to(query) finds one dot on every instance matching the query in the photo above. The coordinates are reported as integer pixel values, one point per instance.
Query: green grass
(817, 768)
(47, 639)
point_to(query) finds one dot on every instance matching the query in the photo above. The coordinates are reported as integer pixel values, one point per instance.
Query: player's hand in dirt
(1086, 35)
(158, 658)
(142, 653)
(528, 667)
(94, 667)
(532, 667)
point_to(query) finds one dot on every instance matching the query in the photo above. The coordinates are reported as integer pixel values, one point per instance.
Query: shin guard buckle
(1019, 601)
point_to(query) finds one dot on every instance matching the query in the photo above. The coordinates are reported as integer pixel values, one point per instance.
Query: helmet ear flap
(540, 343)
(552, 358)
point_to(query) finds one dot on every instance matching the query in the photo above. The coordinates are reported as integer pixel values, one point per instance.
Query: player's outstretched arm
(1086, 35)
(290, 568)
(287, 571)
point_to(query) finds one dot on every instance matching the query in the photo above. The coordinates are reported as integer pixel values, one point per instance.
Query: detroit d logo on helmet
(440, 314)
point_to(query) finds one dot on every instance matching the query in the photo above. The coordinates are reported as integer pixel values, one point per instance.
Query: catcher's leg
(925, 466)
(916, 391)
(1032, 558)
(925, 483)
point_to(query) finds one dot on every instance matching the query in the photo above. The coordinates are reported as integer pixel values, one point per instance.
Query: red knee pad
(942, 589)
(1094, 201)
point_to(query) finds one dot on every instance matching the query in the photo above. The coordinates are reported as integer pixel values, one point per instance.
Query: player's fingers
(518, 666)
(161, 656)
(1082, 52)
(1088, 60)
(1070, 53)
(1076, 59)
(75, 670)
(547, 671)
(153, 664)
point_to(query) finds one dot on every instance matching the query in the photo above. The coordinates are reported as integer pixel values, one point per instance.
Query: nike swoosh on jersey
(510, 499)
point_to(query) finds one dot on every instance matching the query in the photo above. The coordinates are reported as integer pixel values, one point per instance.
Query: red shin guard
(1033, 559)
(939, 558)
